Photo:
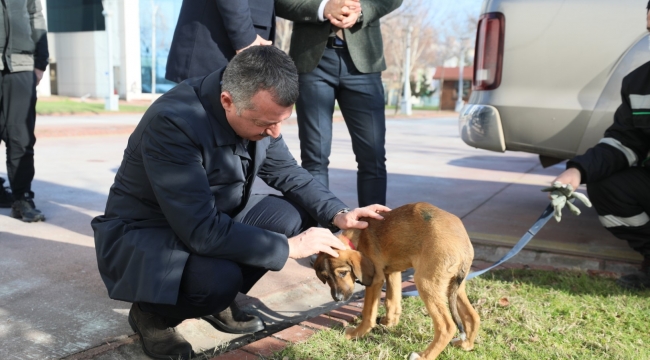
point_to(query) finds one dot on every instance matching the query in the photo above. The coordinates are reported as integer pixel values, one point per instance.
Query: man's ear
(227, 102)
(362, 268)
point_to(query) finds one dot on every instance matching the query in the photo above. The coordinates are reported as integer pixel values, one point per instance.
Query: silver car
(547, 74)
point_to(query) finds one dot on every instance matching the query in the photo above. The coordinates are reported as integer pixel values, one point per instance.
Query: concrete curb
(105, 348)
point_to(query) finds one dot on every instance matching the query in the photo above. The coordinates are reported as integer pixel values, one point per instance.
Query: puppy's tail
(453, 303)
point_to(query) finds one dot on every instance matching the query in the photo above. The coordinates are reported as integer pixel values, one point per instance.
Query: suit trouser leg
(210, 285)
(18, 119)
(361, 98)
(314, 109)
(622, 202)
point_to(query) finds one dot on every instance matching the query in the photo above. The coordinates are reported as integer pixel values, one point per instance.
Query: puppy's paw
(355, 333)
(387, 322)
(414, 356)
(462, 343)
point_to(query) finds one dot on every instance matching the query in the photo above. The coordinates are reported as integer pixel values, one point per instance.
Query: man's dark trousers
(17, 121)
(625, 195)
(361, 100)
(209, 285)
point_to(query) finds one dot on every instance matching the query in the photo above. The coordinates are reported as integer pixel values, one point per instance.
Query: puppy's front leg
(393, 299)
(369, 312)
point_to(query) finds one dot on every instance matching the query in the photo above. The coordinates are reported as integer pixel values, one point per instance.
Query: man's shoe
(25, 210)
(639, 280)
(235, 321)
(159, 340)
(6, 197)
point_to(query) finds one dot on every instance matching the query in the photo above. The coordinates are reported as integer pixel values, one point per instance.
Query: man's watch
(342, 211)
(360, 18)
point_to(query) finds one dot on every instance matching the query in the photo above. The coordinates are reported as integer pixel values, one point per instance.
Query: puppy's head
(341, 272)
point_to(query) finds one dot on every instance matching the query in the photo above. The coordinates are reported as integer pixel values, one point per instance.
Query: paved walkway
(54, 305)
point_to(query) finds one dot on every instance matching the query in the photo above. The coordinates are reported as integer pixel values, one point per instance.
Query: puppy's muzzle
(340, 295)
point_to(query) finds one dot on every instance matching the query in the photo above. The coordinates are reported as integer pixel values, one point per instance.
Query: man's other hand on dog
(316, 240)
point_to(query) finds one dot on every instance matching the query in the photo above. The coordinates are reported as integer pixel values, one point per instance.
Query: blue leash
(541, 221)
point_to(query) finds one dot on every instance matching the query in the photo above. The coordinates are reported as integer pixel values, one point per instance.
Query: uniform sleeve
(39, 34)
(236, 17)
(173, 163)
(622, 146)
(281, 172)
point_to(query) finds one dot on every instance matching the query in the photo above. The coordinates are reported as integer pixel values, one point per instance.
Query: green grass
(547, 315)
(67, 106)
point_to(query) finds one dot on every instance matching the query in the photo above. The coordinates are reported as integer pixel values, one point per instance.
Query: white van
(548, 73)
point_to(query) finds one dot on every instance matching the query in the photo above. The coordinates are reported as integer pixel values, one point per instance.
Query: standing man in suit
(210, 32)
(337, 48)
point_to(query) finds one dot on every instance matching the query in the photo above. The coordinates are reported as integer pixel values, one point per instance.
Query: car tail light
(489, 51)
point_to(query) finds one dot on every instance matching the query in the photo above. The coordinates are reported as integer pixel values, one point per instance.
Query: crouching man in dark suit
(182, 234)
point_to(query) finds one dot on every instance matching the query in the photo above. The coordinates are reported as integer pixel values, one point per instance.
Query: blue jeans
(361, 100)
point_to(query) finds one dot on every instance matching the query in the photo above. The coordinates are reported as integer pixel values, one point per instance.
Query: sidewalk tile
(408, 286)
(323, 322)
(265, 347)
(236, 355)
(357, 304)
(294, 334)
(347, 313)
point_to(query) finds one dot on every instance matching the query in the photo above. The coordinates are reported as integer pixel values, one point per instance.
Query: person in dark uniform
(182, 233)
(23, 48)
(617, 172)
(210, 32)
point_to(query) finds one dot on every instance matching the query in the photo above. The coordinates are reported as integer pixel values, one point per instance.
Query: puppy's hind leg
(393, 299)
(434, 295)
(470, 319)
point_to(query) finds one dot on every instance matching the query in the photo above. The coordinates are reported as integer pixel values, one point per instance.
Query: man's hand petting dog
(350, 220)
(313, 241)
(317, 240)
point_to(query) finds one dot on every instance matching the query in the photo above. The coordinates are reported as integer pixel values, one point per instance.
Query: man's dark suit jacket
(180, 184)
(309, 35)
(209, 31)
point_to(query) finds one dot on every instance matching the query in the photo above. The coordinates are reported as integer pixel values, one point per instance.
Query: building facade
(79, 47)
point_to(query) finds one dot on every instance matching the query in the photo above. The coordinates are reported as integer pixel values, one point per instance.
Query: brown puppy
(433, 242)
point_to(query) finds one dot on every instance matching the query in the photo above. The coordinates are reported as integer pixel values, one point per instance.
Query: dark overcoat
(180, 183)
(209, 31)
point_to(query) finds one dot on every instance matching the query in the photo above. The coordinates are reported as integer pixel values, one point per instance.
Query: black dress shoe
(234, 321)
(159, 340)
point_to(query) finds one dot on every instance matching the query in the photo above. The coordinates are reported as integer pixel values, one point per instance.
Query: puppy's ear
(362, 268)
(321, 265)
